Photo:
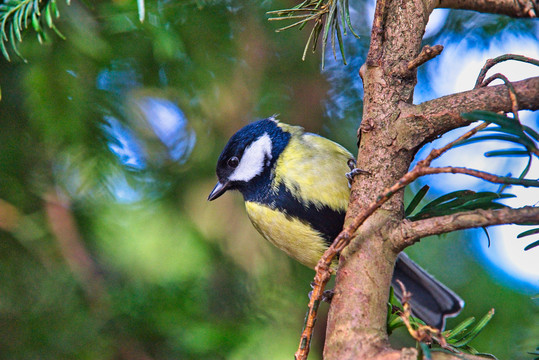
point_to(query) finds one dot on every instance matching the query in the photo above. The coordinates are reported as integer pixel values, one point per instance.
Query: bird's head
(248, 157)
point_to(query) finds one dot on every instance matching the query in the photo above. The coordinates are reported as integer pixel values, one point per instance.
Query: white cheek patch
(252, 161)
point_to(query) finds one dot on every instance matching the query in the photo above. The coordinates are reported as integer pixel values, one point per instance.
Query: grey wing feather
(431, 300)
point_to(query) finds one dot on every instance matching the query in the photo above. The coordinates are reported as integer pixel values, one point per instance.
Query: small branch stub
(426, 54)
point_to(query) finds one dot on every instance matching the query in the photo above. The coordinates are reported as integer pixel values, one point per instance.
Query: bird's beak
(218, 190)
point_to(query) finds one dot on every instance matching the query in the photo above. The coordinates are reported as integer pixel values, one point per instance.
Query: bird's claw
(327, 295)
(354, 171)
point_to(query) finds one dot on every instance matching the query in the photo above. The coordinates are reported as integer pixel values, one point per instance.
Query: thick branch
(422, 123)
(514, 8)
(410, 232)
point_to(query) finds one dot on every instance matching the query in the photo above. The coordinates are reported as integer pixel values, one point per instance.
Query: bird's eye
(233, 162)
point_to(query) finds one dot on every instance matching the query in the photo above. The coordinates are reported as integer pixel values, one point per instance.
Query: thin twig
(423, 333)
(510, 87)
(491, 62)
(436, 153)
(479, 174)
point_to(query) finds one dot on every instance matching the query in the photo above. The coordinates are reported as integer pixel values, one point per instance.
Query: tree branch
(411, 231)
(375, 50)
(514, 8)
(480, 175)
(419, 124)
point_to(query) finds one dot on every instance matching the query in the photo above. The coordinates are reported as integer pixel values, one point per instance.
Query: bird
(296, 195)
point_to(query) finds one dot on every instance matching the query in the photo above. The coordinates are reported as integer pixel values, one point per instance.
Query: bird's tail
(431, 300)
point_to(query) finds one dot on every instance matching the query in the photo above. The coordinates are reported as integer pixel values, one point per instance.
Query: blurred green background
(108, 142)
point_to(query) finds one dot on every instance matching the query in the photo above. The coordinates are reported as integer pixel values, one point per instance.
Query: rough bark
(356, 323)
(419, 124)
(410, 232)
(514, 8)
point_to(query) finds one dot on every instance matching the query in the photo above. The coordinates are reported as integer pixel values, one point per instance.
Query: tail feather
(431, 300)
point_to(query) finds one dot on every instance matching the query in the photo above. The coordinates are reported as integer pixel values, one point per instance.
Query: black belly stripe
(327, 221)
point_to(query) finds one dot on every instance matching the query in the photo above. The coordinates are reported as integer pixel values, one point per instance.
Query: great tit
(296, 195)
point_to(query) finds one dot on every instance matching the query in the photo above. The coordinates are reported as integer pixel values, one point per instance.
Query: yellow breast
(291, 235)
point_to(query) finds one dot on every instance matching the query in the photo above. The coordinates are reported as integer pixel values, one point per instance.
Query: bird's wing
(315, 169)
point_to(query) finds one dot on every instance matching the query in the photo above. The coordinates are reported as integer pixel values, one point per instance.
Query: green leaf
(416, 200)
(458, 201)
(339, 38)
(317, 35)
(343, 15)
(476, 330)
(48, 16)
(531, 132)
(333, 27)
(526, 168)
(27, 14)
(511, 130)
(475, 139)
(485, 230)
(4, 50)
(507, 152)
(532, 245)
(12, 36)
(528, 233)
(15, 17)
(36, 7)
(459, 329)
(536, 352)
(35, 22)
(492, 117)
(516, 132)
(328, 17)
(347, 11)
(329, 20)
(311, 35)
(446, 197)
(486, 355)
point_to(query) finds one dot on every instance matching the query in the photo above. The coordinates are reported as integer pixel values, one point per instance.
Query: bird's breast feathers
(291, 235)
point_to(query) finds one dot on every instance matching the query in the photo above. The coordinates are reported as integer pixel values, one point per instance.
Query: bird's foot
(354, 171)
(327, 295)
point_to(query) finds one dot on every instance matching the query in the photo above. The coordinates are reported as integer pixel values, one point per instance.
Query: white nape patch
(252, 161)
(274, 118)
